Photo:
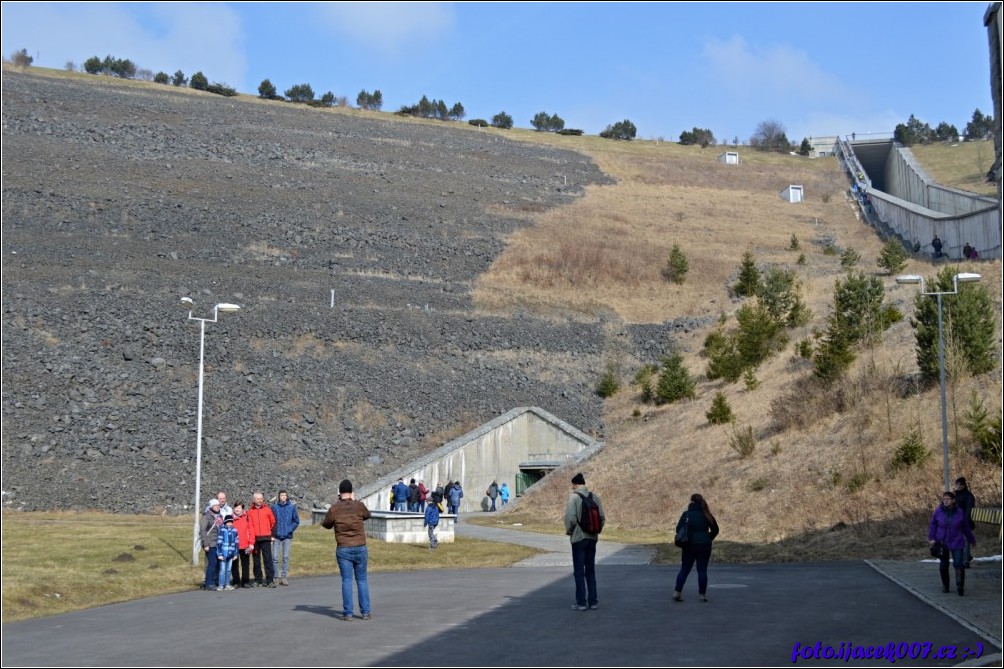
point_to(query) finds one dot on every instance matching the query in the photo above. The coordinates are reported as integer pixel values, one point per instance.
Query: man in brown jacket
(346, 517)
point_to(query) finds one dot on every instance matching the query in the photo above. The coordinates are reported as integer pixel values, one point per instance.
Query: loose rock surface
(118, 200)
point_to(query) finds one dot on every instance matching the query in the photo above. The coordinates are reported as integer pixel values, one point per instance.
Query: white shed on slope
(729, 158)
(792, 194)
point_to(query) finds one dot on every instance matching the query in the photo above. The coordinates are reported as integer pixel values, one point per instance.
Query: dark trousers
(240, 572)
(263, 551)
(584, 572)
(699, 554)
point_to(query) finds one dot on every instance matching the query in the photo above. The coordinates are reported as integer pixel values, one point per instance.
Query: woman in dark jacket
(965, 500)
(950, 528)
(702, 528)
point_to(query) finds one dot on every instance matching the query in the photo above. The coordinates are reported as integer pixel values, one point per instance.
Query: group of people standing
(233, 536)
(415, 497)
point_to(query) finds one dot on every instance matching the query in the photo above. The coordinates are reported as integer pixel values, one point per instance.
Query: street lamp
(187, 303)
(962, 277)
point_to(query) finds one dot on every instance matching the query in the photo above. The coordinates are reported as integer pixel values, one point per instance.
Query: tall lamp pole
(187, 303)
(963, 277)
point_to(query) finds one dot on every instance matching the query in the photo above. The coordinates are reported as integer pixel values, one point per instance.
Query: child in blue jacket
(226, 551)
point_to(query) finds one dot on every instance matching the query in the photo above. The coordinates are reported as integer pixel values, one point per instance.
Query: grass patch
(56, 562)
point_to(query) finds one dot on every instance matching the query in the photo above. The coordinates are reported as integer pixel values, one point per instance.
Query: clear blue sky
(818, 68)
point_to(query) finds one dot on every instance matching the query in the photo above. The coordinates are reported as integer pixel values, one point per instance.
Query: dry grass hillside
(819, 491)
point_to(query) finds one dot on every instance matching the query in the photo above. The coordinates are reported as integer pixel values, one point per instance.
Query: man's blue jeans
(352, 563)
(280, 553)
(584, 572)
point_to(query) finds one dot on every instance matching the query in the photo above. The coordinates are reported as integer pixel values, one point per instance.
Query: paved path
(521, 617)
(557, 550)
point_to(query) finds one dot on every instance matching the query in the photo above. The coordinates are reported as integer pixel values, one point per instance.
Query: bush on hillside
(301, 93)
(478, 122)
(570, 131)
(968, 321)
(748, 283)
(893, 256)
(983, 430)
(674, 381)
(720, 412)
(502, 120)
(742, 441)
(608, 384)
(21, 58)
(221, 89)
(266, 90)
(911, 451)
(161, 78)
(199, 82)
(179, 79)
(676, 266)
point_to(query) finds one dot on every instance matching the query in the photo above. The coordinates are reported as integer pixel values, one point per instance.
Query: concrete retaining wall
(492, 452)
(914, 207)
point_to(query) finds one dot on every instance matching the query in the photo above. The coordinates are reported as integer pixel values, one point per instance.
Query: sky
(817, 68)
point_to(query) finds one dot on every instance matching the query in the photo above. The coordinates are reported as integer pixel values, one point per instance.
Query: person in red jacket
(261, 521)
(241, 572)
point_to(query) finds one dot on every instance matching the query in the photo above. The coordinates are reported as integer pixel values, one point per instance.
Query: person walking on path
(432, 522)
(346, 517)
(702, 528)
(504, 493)
(262, 523)
(209, 530)
(423, 496)
(493, 493)
(965, 500)
(950, 528)
(577, 527)
(286, 522)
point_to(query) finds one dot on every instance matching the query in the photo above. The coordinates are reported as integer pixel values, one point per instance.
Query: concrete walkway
(558, 552)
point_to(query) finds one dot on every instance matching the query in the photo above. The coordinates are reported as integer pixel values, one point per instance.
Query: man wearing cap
(346, 517)
(208, 532)
(583, 545)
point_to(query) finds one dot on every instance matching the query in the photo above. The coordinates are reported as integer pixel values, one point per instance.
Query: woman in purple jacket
(950, 527)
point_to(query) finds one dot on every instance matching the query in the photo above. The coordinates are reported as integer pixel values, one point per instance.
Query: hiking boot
(283, 581)
(270, 584)
(579, 607)
(342, 616)
(229, 587)
(677, 597)
(366, 616)
(593, 607)
(703, 598)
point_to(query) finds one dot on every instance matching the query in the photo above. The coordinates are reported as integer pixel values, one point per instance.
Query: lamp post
(963, 277)
(187, 303)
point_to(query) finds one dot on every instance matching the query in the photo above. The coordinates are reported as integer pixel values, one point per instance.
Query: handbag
(937, 550)
(682, 539)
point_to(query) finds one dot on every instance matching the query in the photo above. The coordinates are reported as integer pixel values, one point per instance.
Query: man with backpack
(584, 520)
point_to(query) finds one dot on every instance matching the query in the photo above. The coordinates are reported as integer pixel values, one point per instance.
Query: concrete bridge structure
(519, 448)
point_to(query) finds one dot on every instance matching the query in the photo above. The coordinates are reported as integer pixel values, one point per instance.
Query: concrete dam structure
(519, 448)
(906, 202)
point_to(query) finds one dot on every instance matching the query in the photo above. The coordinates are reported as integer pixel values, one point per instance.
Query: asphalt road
(508, 617)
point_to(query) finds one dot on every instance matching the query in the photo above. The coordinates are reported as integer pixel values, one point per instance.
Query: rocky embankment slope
(118, 200)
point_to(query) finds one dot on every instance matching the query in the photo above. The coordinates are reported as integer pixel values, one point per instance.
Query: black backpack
(590, 522)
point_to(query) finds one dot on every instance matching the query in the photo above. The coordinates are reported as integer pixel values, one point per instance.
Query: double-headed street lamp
(187, 303)
(963, 277)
